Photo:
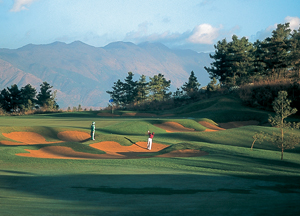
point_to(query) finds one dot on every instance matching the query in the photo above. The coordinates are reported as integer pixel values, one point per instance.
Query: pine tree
(142, 89)
(260, 67)
(15, 97)
(124, 93)
(159, 87)
(276, 49)
(281, 106)
(5, 100)
(45, 98)
(28, 96)
(191, 87)
(212, 85)
(294, 55)
(117, 94)
(219, 66)
(130, 89)
(240, 60)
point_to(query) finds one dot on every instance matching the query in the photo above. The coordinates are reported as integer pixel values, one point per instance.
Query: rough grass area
(229, 180)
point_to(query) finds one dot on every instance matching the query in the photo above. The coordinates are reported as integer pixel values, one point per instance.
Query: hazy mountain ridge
(82, 74)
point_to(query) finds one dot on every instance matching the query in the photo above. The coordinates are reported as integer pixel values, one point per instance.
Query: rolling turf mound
(113, 150)
(172, 127)
(221, 109)
(197, 169)
(121, 139)
(63, 152)
(74, 136)
(24, 138)
(210, 126)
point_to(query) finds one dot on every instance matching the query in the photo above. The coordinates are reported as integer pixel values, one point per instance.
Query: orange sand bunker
(25, 138)
(171, 127)
(134, 151)
(114, 148)
(62, 152)
(211, 127)
(73, 136)
(113, 151)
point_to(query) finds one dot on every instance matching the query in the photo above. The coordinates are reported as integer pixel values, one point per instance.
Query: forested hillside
(256, 71)
(241, 62)
(82, 74)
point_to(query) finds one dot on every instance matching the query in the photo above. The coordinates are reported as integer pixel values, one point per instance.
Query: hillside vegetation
(82, 74)
(50, 164)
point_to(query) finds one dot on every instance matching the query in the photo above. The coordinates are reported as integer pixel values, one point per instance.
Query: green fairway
(230, 180)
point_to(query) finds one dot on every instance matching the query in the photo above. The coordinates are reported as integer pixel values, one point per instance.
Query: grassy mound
(229, 180)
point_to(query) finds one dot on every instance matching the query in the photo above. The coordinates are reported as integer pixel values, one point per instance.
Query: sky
(178, 24)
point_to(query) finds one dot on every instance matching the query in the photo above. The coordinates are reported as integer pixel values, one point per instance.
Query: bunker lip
(74, 136)
(172, 127)
(25, 138)
(211, 127)
(62, 152)
(112, 149)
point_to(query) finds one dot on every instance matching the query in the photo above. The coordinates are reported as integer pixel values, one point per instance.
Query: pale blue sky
(193, 24)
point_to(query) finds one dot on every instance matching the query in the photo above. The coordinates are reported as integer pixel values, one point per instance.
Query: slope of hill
(82, 74)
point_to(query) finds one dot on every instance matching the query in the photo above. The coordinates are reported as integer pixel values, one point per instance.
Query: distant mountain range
(82, 74)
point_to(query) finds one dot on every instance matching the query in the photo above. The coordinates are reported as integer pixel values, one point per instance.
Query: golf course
(201, 163)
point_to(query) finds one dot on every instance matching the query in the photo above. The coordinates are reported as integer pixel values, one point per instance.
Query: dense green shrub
(263, 94)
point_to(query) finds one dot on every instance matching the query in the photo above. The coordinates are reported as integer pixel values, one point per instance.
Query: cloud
(201, 38)
(140, 33)
(294, 22)
(201, 34)
(263, 34)
(204, 34)
(21, 5)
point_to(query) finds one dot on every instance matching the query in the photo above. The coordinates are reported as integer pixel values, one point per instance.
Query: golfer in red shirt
(149, 144)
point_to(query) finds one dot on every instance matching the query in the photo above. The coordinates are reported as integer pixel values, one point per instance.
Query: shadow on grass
(145, 191)
(225, 160)
(65, 186)
(174, 194)
(15, 172)
(287, 188)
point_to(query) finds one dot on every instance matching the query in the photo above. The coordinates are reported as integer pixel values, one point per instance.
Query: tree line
(235, 63)
(130, 92)
(13, 99)
(241, 62)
